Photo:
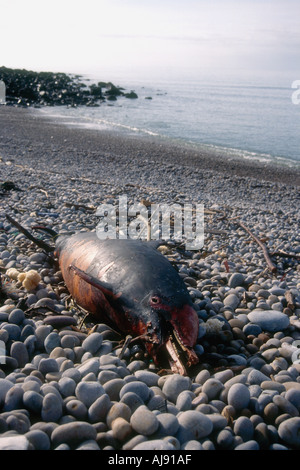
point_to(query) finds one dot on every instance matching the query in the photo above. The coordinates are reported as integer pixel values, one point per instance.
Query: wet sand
(27, 134)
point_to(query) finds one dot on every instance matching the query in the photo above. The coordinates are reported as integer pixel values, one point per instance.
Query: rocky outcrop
(29, 88)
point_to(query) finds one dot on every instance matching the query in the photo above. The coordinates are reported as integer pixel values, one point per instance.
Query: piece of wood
(270, 263)
(27, 234)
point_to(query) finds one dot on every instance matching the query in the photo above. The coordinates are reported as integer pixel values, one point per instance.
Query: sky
(159, 35)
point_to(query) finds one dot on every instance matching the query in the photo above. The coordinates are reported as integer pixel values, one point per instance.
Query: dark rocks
(24, 88)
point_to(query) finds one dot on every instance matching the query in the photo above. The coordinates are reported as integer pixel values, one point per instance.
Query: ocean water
(245, 118)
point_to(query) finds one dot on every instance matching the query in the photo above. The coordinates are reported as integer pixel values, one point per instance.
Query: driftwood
(283, 254)
(270, 263)
(80, 206)
(290, 300)
(27, 234)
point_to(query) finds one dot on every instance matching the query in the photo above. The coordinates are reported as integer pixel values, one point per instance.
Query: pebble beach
(64, 389)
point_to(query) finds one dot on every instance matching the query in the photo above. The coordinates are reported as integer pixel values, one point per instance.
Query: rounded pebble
(93, 342)
(193, 425)
(144, 421)
(73, 434)
(88, 392)
(51, 408)
(238, 396)
(175, 384)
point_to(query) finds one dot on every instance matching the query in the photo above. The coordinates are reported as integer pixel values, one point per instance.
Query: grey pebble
(16, 316)
(66, 386)
(88, 445)
(175, 384)
(293, 396)
(184, 400)
(231, 301)
(168, 424)
(39, 439)
(256, 377)
(252, 329)
(285, 406)
(52, 341)
(219, 422)
(99, 409)
(238, 396)
(249, 445)
(112, 388)
(225, 439)
(4, 316)
(155, 444)
(73, 374)
(90, 365)
(202, 376)
(107, 375)
(30, 343)
(69, 341)
(121, 429)
(18, 422)
(134, 441)
(224, 375)
(289, 431)
(41, 333)
(192, 445)
(47, 365)
(31, 385)
(27, 330)
(14, 331)
(193, 425)
(88, 392)
(73, 434)
(269, 320)
(63, 447)
(136, 365)
(59, 321)
(235, 280)
(212, 388)
(157, 402)
(77, 409)
(13, 398)
(133, 400)
(143, 421)
(271, 385)
(93, 342)
(149, 378)
(243, 427)
(51, 408)
(140, 388)
(19, 352)
(118, 410)
(33, 401)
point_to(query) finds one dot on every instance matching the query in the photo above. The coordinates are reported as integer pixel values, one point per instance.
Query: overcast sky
(86, 36)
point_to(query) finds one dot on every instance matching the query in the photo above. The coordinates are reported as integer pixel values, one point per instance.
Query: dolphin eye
(154, 300)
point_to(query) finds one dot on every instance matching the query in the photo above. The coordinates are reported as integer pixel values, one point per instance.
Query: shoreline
(29, 128)
(248, 312)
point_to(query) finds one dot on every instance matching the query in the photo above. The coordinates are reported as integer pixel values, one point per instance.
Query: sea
(240, 116)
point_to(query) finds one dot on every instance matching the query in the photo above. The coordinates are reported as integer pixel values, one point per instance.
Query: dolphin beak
(175, 338)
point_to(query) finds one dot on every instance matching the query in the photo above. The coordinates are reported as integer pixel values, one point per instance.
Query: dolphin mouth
(174, 359)
(179, 355)
(173, 352)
